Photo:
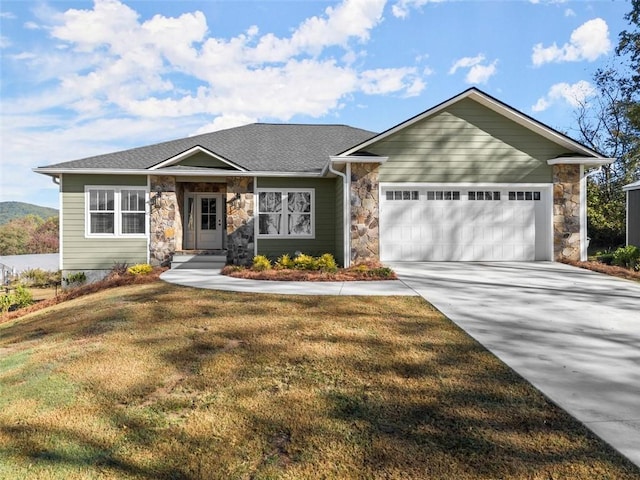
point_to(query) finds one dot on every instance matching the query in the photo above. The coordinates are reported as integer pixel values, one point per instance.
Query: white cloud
(122, 62)
(402, 8)
(8, 15)
(587, 42)
(4, 42)
(109, 77)
(478, 73)
(481, 73)
(569, 12)
(574, 95)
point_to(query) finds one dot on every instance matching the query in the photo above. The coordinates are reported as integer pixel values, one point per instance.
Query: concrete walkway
(572, 333)
(211, 279)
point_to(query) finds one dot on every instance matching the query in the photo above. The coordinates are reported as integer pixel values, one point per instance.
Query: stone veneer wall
(165, 222)
(365, 232)
(240, 220)
(566, 212)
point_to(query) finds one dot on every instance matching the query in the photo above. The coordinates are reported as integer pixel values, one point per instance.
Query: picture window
(285, 213)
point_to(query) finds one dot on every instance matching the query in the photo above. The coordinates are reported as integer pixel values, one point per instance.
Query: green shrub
(383, 272)
(327, 263)
(38, 277)
(6, 300)
(261, 263)
(140, 269)
(21, 297)
(78, 277)
(605, 257)
(305, 262)
(628, 257)
(285, 262)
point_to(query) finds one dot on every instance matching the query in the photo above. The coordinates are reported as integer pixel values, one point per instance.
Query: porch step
(208, 260)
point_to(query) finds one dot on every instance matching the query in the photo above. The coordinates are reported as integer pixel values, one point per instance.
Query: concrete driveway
(572, 333)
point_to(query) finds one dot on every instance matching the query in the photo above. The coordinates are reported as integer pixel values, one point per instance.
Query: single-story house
(633, 213)
(471, 179)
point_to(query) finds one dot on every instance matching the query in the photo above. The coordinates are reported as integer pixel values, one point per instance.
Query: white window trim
(117, 211)
(285, 192)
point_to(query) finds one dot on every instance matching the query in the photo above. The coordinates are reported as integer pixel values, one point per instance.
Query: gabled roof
(632, 186)
(498, 107)
(258, 147)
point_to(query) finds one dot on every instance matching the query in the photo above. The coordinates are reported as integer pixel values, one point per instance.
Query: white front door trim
(202, 228)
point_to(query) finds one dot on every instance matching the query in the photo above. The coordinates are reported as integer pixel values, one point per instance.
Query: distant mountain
(12, 210)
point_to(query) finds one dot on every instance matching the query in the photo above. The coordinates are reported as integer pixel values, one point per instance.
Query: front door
(203, 229)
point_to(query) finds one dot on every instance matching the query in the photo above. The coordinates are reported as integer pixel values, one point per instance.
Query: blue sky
(81, 78)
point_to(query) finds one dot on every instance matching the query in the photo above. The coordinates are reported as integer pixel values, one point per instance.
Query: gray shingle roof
(255, 147)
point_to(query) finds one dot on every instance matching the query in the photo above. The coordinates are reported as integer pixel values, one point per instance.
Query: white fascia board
(181, 173)
(586, 161)
(358, 159)
(464, 185)
(192, 151)
(632, 186)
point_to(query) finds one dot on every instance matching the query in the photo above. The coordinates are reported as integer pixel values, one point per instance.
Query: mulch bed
(342, 275)
(612, 270)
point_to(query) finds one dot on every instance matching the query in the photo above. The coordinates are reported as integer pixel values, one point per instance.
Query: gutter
(182, 173)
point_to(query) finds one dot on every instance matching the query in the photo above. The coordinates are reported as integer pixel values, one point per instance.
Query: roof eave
(168, 171)
(632, 186)
(587, 161)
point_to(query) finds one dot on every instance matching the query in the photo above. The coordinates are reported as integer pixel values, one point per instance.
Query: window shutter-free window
(102, 211)
(285, 213)
(116, 211)
(133, 211)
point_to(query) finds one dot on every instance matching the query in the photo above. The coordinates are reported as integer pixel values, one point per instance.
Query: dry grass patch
(159, 381)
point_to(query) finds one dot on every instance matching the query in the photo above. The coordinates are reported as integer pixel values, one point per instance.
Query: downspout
(346, 210)
(58, 181)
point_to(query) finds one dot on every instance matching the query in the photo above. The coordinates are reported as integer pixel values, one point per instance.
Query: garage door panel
(464, 229)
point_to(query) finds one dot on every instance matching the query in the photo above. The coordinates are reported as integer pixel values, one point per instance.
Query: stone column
(165, 229)
(365, 233)
(566, 212)
(240, 220)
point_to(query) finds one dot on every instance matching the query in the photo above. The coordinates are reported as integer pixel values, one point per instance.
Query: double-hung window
(116, 211)
(286, 213)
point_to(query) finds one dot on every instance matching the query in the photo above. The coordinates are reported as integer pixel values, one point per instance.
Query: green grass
(159, 381)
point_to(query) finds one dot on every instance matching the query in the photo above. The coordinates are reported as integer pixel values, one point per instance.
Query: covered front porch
(199, 216)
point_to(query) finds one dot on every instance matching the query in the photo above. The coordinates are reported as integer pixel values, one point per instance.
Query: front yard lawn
(163, 382)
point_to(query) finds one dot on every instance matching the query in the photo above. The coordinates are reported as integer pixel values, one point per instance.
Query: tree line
(610, 124)
(30, 234)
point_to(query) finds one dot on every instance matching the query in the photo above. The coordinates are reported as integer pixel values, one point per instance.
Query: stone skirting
(240, 220)
(566, 212)
(365, 231)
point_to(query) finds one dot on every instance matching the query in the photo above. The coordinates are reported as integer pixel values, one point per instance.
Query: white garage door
(464, 224)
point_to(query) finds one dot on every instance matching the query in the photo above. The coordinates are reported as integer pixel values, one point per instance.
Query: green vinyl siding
(339, 219)
(466, 143)
(324, 214)
(82, 253)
